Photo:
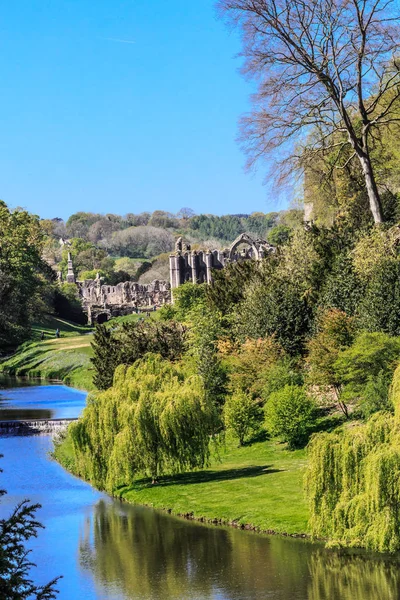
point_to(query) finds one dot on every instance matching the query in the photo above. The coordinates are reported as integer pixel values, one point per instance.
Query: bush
(251, 364)
(375, 396)
(242, 415)
(380, 307)
(371, 355)
(290, 414)
(281, 374)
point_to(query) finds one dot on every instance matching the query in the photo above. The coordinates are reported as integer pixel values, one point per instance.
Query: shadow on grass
(210, 476)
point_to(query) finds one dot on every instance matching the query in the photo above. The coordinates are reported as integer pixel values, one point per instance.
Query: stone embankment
(34, 426)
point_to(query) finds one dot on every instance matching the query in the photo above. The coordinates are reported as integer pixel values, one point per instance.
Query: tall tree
(323, 66)
(22, 273)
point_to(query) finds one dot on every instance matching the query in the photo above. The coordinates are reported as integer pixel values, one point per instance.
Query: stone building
(197, 266)
(70, 271)
(101, 302)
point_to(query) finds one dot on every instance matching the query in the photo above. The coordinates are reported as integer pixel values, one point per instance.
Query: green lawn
(66, 359)
(259, 485)
(49, 324)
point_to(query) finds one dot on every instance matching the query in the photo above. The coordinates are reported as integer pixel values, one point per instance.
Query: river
(107, 550)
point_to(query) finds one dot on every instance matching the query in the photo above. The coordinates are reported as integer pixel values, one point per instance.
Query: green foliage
(15, 532)
(379, 309)
(342, 288)
(250, 365)
(229, 285)
(204, 331)
(186, 298)
(279, 235)
(353, 484)
(290, 414)
(275, 306)
(375, 394)
(372, 355)
(282, 373)
(242, 415)
(155, 419)
(130, 341)
(336, 332)
(67, 303)
(23, 274)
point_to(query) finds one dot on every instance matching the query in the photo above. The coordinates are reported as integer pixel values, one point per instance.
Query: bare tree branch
(327, 66)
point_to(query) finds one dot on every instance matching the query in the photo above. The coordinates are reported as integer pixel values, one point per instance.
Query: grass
(133, 318)
(66, 359)
(259, 486)
(49, 324)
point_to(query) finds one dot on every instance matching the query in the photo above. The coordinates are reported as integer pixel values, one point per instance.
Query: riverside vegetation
(293, 358)
(215, 398)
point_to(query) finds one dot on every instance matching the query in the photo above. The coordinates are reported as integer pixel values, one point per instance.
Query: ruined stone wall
(197, 266)
(101, 302)
(122, 299)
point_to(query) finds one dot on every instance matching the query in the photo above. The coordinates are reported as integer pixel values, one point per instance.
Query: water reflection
(112, 551)
(24, 414)
(148, 555)
(355, 577)
(40, 402)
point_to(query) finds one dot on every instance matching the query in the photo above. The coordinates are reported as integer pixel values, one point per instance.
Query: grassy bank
(66, 359)
(259, 485)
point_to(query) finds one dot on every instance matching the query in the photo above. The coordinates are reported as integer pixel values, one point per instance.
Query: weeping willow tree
(155, 419)
(353, 482)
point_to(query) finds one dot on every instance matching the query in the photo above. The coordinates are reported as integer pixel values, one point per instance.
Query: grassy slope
(66, 358)
(259, 485)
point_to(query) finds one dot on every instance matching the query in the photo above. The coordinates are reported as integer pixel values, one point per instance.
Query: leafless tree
(328, 71)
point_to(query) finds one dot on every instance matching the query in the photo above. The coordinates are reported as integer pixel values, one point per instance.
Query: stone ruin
(101, 302)
(197, 266)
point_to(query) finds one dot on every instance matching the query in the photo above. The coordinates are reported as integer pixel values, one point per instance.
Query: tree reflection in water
(144, 554)
(353, 577)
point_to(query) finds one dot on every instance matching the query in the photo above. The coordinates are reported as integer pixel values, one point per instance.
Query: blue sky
(123, 106)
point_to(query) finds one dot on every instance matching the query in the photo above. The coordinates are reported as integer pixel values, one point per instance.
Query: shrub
(242, 415)
(380, 307)
(251, 363)
(284, 372)
(290, 414)
(371, 355)
(375, 395)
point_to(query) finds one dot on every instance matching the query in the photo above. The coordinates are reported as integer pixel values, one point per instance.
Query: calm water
(108, 550)
(39, 402)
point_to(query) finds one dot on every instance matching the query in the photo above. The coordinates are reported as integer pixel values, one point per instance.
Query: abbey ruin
(101, 302)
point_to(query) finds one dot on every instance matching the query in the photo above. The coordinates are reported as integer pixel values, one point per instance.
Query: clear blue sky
(122, 106)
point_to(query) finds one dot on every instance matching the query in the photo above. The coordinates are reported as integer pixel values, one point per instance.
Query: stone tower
(70, 272)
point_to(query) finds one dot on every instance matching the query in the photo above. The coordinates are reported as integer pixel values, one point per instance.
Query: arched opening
(243, 248)
(102, 318)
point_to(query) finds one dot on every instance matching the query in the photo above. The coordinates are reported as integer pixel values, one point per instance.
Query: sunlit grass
(65, 359)
(259, 485)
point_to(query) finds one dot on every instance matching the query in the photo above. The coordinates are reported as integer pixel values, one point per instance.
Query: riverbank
(66, 359)
(256, 487)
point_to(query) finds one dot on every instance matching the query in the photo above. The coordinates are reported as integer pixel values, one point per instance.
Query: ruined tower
(70, 272)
